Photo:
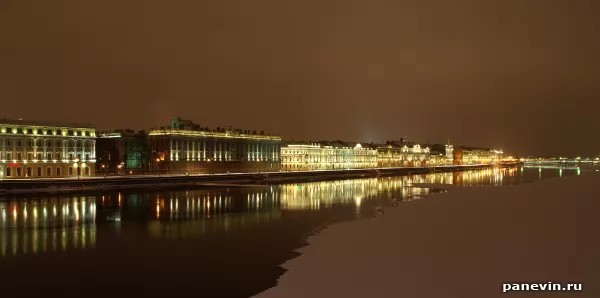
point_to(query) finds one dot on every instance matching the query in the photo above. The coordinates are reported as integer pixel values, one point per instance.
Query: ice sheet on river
(464, 243)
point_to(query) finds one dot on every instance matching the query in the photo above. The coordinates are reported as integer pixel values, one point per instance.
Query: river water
(213, 242)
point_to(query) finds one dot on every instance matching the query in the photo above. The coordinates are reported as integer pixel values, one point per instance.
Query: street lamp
(158, 166)
(105, 170)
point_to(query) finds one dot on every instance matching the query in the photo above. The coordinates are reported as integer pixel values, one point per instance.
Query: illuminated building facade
(472, 156)
(30, 149)
(392, 156)
(310, 157)
(122, 151)
(185, 147)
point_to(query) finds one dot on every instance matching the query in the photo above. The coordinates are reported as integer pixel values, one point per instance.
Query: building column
(170, 149)
(82, 150)
(214, 149)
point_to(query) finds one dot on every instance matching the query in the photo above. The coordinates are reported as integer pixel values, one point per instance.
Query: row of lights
(54, 161)
(45, 132)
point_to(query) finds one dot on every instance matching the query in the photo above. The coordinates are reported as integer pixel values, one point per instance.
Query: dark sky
(517, 74)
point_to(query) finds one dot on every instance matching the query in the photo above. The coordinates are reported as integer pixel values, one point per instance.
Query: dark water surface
(217, 242)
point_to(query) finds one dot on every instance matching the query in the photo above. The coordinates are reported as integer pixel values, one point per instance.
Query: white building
(310, 157)
(31, 149)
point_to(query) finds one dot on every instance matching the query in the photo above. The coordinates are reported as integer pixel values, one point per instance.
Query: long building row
(30, 149)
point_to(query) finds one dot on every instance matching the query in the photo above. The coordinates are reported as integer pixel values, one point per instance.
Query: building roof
(44, 123)
(185, 127)
(474, 148)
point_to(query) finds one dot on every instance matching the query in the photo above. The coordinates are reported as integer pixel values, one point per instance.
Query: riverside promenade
(68, 185)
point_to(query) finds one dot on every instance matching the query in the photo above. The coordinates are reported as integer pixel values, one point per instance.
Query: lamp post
(105, 170)
(158, 166)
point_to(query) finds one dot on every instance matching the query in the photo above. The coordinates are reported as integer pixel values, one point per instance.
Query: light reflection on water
(47, 225)
(54, 224)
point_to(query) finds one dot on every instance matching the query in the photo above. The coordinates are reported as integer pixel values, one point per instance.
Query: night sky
(521, 75)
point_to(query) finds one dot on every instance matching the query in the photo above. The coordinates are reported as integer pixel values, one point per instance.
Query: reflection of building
(319, 157)
(316, 195)
(472, 155)
(187, 147)
(122, 149)
(30, 149)
(46, 225)
(199, 214)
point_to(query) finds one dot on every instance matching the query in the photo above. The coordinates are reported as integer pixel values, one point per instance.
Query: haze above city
(518, 75)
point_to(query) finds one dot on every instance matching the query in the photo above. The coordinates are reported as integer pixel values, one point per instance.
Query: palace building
(392, 156)
(334, 156)
(185, 147)
(472, 155)
(32, 149)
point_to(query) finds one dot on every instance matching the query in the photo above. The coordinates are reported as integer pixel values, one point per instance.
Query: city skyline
(514, 75)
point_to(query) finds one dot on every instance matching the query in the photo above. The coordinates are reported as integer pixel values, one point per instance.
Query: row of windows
(348, 159)
(29, 172)
(40, 131)
(362, 152)
(323, 167)
(222, 146)
(41, 156)
(40, 143)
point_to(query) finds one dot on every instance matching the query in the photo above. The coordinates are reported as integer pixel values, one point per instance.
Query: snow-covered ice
(464, 243)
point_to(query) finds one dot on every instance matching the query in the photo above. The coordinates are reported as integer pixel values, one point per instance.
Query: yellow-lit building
(31, 149)
(472, 156)
(391, 156)
(310, 157)
(185, 147)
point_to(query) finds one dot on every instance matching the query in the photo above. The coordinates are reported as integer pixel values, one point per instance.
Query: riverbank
(464, 243)
(55, 186)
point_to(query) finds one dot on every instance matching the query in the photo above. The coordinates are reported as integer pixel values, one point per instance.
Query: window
(58, 156)
(87, 171)
(19, 172)
(39, 155)
(49, 172)
(39, 171)
(19, 143)
(49, 156)
(70, 171)
(8, 143)
(71, 157)
(58, 144)
(8, 155)
(8, 172)
(39, 143)
(58, 171)
(29, 156)
(19, 156)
